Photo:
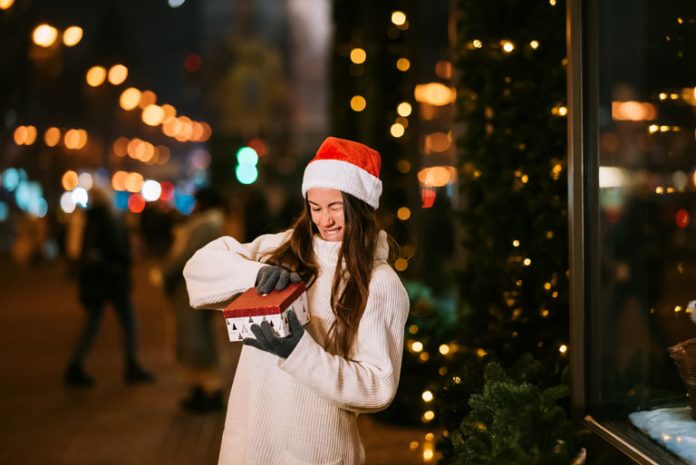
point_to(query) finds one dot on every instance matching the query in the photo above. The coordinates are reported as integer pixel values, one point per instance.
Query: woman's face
(326, 207)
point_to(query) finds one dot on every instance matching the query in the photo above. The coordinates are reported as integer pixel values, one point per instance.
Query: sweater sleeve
(366, 383)
(225, 267)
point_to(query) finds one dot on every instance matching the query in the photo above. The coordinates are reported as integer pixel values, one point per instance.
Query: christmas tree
(511, 83)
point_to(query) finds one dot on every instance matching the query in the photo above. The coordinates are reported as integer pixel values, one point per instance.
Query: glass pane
(647, 202)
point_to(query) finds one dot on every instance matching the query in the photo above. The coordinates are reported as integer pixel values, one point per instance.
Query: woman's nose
(326, 218)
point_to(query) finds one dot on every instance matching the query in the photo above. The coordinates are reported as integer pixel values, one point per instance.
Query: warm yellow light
(130, 98)
(427, 396)
(417, 346)
(153, 115)
(413, 329)
(477, 43)
(169, 111)
(72, 36)
(437, 142)
(515, 243)
(552, 2)
(82, 138)
(96, 76)
(397, 130)
(413, 445)
(534, 44)
(404, 166)
(527, 261)
(147, 97)
(31, 134)
(444, 349)
(71, 139)
(401, 264)
(120, 147)
(6, 4)
(563, 349)
(52, 137)
(480, 352)
(118, 180)
(507, 46)
(20, 135)
(403, 64)
(398, 18)
(677, 309)
(358, 56)
(544, 313)
(424, 357)
(118, 74)
(134, 182)
(429, 415)
(69, 180)
(403, 213)
(358, 103)
(428, 455)
(45, 35)
(435, 93)
(436, 176)
(404, 109)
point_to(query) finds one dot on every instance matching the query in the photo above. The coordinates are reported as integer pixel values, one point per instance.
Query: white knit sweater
(302, 410)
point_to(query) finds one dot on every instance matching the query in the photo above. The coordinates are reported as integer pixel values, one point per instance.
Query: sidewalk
(44, 423)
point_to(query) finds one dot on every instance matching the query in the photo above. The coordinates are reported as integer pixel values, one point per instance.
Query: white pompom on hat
(348, 166)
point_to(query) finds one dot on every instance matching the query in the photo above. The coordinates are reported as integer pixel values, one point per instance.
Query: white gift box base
(239, 328)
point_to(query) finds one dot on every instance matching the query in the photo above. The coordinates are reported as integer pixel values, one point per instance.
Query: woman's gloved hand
(274, 277)
(267, 340)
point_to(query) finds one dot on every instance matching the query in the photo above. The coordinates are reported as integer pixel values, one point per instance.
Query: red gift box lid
(251, 303)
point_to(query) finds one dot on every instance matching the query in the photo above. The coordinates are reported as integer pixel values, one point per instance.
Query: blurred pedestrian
(196, 348)
(104, 278)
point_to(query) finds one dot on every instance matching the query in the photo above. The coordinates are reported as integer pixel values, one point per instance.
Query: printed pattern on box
(254, 309)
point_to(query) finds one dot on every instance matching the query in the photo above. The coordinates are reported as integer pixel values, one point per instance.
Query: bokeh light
(72, 36)
(130, 98)
(117, 74)
(44, 35)
(96, 76)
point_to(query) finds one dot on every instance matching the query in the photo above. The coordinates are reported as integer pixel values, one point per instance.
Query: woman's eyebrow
(338, 202)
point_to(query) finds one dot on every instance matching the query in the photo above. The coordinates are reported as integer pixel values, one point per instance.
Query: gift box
(253, 308)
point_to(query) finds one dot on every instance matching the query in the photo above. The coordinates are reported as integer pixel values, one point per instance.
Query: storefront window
(643, 274)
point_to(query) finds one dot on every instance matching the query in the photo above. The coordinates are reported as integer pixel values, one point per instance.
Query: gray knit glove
(266, 338)
(274, 277)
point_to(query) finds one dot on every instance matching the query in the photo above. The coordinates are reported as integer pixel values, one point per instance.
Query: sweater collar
(329, 250)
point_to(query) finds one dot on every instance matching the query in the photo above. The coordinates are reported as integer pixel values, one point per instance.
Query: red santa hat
(348, 166)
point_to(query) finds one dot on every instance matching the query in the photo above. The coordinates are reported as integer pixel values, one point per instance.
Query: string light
(398, 18)
(427, 396)
(96, 76)
(404, 109)
(358, 56)
(403, 213)
(534, 44)
(397, 130)
(403, 64)
(358, 103)
(72, 36)
(507, 46)
(444, 349)
(477, 43)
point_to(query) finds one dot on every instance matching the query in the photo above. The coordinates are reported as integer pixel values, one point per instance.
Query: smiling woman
(296, 399)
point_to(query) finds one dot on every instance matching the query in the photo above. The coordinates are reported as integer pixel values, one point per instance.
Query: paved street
(43, 423)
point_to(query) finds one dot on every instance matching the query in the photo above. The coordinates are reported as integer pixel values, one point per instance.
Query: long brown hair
(350, 288)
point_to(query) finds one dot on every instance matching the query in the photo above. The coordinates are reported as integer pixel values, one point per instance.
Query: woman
(296, 400)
